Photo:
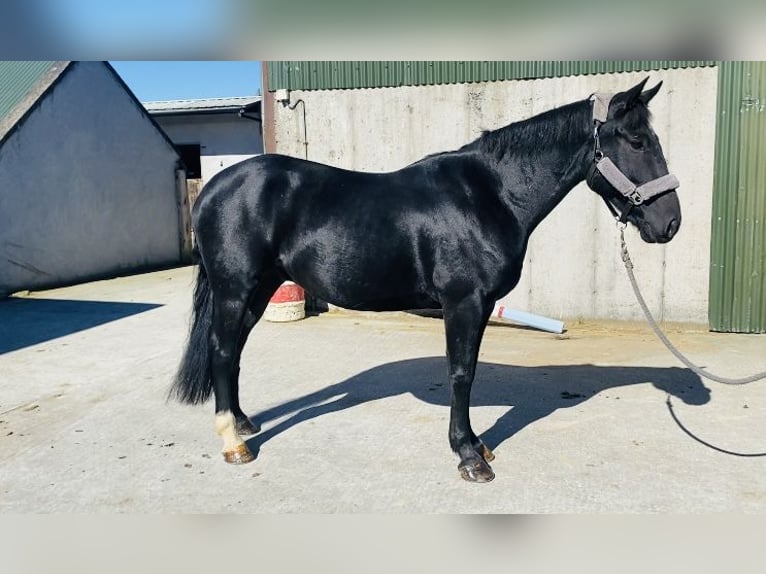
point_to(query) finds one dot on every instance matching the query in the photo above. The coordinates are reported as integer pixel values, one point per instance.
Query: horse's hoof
(478, 471)
(240, 455)
(246, 428)
(487, 454)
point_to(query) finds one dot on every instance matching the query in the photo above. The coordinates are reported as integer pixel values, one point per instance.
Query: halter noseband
(635, 194)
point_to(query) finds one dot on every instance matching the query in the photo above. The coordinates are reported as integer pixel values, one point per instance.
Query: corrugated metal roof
(738, 244)
(329, 75)
(16, 80)
(200, 105)
(21, 85)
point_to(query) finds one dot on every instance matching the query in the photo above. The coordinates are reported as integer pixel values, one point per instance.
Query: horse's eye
(635, 141)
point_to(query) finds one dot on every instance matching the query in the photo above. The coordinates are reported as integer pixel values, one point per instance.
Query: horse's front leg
(245, 426)
(464, 322)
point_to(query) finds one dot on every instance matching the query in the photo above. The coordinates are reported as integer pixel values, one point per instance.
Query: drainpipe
(267, 113)
(283, 97)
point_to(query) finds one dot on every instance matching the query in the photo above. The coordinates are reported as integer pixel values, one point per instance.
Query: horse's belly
(371, 279)
(391, 304)
(370, 299)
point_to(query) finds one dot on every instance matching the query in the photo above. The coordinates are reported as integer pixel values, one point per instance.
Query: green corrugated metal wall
(738, 244)
(315, 75)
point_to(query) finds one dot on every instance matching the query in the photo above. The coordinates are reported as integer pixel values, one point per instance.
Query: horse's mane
(555, 128)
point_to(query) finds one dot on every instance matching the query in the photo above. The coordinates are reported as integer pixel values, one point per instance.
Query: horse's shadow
(531, 393)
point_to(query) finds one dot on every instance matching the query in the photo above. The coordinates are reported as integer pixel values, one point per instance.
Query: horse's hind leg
(465, 321)
(253, 313)
(228, 315)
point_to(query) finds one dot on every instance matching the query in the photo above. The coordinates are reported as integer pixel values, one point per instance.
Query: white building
(211, 134)
(90, 186)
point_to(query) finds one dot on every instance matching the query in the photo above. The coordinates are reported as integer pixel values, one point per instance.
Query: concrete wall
(87, 187)
(225, 139)
(572, 267)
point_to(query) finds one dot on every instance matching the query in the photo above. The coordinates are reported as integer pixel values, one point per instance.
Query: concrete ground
(354, 414)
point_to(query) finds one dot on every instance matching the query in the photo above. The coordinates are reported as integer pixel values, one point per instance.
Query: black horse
(447, 232)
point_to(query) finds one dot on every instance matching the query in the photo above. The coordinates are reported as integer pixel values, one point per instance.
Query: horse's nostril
(672, 227)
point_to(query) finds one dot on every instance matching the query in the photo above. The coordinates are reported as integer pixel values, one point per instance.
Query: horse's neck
(540, 160)
(535, 184)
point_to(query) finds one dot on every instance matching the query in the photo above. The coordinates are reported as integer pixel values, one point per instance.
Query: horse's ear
(646, 96)
(627, 100)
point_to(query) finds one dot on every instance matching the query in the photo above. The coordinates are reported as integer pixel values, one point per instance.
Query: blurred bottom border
(346, 543)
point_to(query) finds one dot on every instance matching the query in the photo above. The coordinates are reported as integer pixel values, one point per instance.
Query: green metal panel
(738, 249)
(16, 79)
(330, 75)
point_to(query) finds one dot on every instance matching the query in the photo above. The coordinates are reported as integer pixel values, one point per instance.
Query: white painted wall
(572, 267)
(87, 187)
(226, 139)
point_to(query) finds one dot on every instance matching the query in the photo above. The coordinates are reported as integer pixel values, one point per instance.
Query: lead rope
(700, 371)
(656, 328)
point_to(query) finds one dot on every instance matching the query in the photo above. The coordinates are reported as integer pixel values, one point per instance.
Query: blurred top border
(394, 30)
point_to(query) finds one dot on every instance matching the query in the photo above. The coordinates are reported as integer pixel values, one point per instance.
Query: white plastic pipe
(528, 319)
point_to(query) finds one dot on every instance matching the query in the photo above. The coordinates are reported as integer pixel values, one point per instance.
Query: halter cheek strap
(635, 194)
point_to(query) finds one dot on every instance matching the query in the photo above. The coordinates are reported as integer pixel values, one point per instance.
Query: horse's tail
(193, 383)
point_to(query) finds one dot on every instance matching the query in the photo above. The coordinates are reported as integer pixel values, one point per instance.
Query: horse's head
(629, 169)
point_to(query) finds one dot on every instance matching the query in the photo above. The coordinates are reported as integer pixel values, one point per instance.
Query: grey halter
(635, 194)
